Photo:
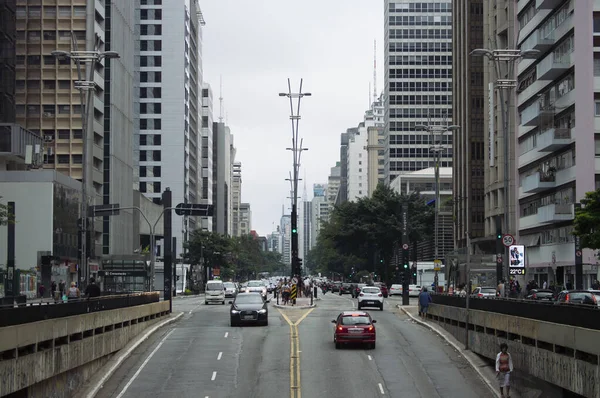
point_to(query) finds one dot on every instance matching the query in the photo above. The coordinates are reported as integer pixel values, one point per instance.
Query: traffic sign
(437, 265)
(405, 246)
(578, 253)
(295, 281)
(193, 209)
(111, 209)
(508, 240)
(499, 259)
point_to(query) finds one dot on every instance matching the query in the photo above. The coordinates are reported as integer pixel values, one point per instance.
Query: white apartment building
(236, 198)
(375, 145)
(170, 88)
(418, 82)
(273, 241)
(245, 219)
(285, 238)
(558, 137)
(319, 212)
(333, 184)
(206, 196)
(357, 164)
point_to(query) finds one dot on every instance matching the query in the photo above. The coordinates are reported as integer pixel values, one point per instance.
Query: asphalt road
(202, 356)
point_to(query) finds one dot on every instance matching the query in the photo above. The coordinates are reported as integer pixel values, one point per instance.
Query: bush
(187, 292)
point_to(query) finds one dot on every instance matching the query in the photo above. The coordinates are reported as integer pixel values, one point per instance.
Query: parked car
(354, 327)
(484, 292)
(414, 290)
(395, 290)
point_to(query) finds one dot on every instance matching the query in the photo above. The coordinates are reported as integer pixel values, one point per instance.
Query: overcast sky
(255, 46)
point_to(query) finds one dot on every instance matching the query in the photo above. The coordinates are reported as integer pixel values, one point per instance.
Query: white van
(215, 292)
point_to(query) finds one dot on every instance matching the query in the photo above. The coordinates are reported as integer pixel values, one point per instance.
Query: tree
(211, 247)
(5, 217)
(363, 234)
(587, 220)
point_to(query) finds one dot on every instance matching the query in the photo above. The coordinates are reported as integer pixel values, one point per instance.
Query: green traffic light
(499, 236)
(405, 265)
(294, 231)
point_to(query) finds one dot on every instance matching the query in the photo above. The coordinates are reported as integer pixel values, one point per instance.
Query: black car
(249, 308)
(346, 288)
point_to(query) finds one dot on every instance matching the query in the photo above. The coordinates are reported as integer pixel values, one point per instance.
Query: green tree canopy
(587, 221)
(363, 234)
(238, 257)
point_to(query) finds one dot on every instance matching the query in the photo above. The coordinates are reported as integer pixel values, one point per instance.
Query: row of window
(63, 159)
(151, 14)
(153, 186)
(421, 139)
(34, 35)
(63, 134)
(150, 77)
(150, 171)
(420, 86)
(420, 60)
(151, 30)
(150, 139)
(152, 108)
(150, 45)
(421, 7)
(420, 100)
(431, 20)
(425, 113)
(150, 92)
(414, 166)
(420, 47)
(420, 33)
(31, 60)
(152, 156)
(416, 153)
(421, 73)
(50, 11)
(47, 84)
(152, 60)
(47, 110)
(150, 124)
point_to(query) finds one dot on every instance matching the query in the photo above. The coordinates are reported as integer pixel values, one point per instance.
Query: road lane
(409, 360)
(201, 355)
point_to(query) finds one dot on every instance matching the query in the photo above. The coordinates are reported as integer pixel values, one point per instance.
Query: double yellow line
(295, 385)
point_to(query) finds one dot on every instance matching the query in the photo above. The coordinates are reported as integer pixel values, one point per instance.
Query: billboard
(517, 260)
(319, 189)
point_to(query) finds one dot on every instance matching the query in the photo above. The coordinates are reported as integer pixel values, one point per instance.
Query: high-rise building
(121, 123)
(418, 82)
(206, 196)
(236, 198)
(375, 145)
(356, 164)
(8, 42)
(245, 219)
(47, 101)
(334, 184)
(468, 102)
(285, 238)
(557, 157)
(273, 241)
(223, 160)
(306, 227)
(499, 32)
(342, 193)
(170, 100)
(319, 212)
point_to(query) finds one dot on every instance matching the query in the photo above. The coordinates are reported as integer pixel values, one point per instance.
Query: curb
(92, 391)
(493, 388)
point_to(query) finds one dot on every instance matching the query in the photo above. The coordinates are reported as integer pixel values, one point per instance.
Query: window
(77, 159)
(50, 11)
(142, 156)
(597, 108)
(142, 171)
(64, 109)
(156, 170)
(63, 159)
(64, 134)
(142, 186)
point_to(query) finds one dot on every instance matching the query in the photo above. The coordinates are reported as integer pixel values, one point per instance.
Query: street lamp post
(297, 150)
(509, 56)
(437, 147)
(89, 59)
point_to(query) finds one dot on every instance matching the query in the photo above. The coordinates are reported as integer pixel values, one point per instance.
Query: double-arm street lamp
(436, 148)
(297, 150)
(89, 60)
(509, 57)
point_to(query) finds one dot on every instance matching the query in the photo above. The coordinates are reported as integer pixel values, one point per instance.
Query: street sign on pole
(437, 265)
(508, 240)
(193, 209)
(405, 246)
(111, 209)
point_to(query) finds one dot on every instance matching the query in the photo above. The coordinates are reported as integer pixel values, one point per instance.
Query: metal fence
(584, 316)
(33, 312)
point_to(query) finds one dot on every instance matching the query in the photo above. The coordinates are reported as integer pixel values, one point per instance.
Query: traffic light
(299, 264)
(414, 275)
(294, 230)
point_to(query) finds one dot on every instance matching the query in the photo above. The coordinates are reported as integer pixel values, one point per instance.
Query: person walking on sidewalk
(424, 300)
(504, 367)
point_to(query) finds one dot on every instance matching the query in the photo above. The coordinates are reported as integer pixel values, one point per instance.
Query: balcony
(14, 141)
(552, 67)
(538, 182)
(553, 139)
(538, 42)
(555, 213)
(532, 115)
(547, 4)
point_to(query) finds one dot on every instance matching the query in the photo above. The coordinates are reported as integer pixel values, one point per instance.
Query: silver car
(231, 289)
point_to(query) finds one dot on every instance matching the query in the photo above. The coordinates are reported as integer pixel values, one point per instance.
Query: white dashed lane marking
(214, 376)
(219, 356)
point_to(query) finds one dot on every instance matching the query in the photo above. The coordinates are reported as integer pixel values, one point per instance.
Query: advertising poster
(517, 260)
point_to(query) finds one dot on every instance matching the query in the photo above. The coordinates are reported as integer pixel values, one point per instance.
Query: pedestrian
(504, 367)
(42, 290)
(74, 292)
(92, 290)
(424, 300)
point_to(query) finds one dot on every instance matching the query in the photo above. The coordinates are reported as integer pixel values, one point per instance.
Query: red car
(384, 290)
(354, 327)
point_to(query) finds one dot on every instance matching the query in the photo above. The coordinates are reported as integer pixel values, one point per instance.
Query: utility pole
(167, 200)
(297, 150)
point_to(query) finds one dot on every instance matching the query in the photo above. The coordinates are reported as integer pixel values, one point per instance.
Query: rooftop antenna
(304, 194)
(369, 95)
(374, 71)
(220, 99)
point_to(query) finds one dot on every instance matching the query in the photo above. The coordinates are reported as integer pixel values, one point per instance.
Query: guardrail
(34, 312)
(584, 316)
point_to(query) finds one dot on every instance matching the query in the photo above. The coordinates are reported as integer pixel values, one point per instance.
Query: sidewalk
(485, 371)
